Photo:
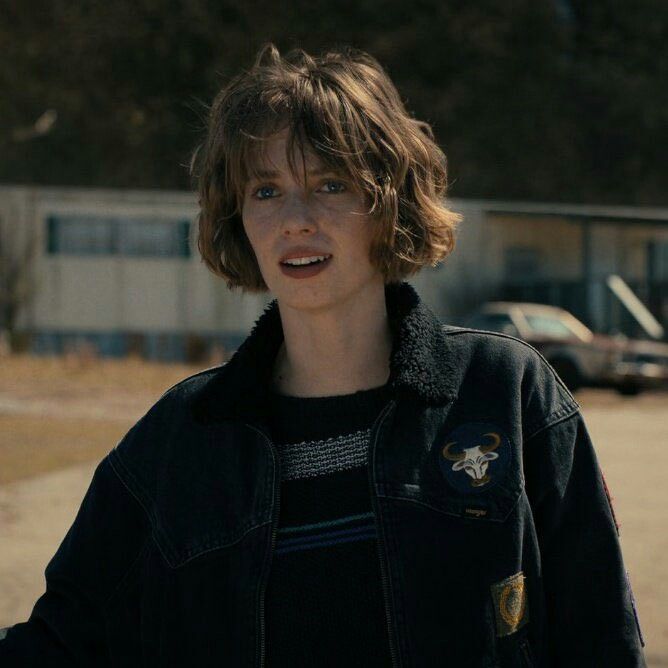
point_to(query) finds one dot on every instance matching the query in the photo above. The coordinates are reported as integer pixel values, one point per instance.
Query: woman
(358, 486)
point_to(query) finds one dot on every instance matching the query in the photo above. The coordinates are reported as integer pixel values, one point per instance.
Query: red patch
(607, 493)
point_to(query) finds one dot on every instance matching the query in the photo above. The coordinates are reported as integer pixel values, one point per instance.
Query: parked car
(578, 355)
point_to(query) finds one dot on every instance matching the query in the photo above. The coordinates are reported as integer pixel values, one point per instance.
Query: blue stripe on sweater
(324, 542)
(323, 525)
(325, 535)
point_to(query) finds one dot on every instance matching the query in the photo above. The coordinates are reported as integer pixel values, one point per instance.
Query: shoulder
(169, 417)
(491, 345)
(165, 439)
(184, 389)
(483, 346)
(176, 401)
(513, 367)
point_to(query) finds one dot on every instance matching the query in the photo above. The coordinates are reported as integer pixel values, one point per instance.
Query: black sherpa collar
(421, 363)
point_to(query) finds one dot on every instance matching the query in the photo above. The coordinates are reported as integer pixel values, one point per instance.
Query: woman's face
(310, 233)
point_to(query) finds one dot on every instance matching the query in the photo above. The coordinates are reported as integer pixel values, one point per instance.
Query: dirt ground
(63, 417)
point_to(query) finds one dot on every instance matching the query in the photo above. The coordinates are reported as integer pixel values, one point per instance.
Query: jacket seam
(562, 411)
(156, 531)
(151, 519)
(452, 514)
(213, 548)
(136, 496)
(105, 602)
(558, 417)
(143, 550)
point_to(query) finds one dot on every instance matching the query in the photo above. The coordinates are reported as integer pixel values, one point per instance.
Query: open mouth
(306, 261)
(305, 267)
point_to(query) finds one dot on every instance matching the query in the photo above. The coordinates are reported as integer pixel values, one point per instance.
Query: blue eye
(265, 192)
(333, 187)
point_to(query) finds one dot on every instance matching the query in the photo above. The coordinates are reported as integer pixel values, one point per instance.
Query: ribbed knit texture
(324, 603)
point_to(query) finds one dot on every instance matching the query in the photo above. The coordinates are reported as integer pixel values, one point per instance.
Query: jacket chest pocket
(473, 471)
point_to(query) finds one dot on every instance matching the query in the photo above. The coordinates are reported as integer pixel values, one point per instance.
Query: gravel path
(100, 406)
(35, 514)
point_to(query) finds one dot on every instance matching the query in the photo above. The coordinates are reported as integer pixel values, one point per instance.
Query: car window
(548, 325)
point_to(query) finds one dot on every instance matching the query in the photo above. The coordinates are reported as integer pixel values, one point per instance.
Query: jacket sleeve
(591, 614)
(67, 624)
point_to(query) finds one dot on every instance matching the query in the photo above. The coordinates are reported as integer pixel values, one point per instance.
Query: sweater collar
(421, 363)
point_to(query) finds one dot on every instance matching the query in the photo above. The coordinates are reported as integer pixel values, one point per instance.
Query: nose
(297, 217)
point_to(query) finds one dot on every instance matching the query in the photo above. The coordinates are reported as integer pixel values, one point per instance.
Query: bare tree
(18, 249)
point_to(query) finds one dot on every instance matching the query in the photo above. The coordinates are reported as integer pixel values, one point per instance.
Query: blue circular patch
(474, 457)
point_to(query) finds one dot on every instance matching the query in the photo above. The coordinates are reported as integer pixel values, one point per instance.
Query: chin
(313, 295)
(308, 300)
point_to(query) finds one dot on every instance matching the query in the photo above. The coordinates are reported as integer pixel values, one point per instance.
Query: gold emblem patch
(511, 608)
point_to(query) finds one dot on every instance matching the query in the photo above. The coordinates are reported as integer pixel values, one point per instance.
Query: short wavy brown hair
(344, 107)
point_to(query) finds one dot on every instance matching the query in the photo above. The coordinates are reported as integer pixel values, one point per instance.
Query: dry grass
(25, 374)
(55, 412)
(31, 445)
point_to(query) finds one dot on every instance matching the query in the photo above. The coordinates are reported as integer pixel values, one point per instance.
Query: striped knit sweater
(324, 603)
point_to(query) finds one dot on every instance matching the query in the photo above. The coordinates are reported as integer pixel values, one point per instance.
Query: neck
(336, 351)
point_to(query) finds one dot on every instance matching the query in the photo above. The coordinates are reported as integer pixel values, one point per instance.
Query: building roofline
(116, 195)
(583, 212)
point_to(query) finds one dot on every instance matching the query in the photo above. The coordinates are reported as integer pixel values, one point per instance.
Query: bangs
(316, 121)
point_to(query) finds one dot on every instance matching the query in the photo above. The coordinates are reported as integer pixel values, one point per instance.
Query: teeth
(297, 261)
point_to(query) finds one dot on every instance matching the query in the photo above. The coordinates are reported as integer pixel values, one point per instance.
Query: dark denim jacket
(498, 545)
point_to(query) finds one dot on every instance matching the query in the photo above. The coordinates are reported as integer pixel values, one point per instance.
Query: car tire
(629, 389)
(568, 372)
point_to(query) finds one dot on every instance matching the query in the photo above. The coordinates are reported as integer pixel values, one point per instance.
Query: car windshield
(548, 326)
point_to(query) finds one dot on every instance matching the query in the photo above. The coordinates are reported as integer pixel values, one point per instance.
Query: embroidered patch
(511, 608)
(474, 456)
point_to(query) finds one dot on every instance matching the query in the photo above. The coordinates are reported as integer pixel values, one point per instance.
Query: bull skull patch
(474, 456)
(474, 461)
